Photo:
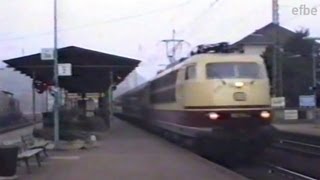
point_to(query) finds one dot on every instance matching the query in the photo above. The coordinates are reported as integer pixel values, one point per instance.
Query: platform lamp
(314, 71)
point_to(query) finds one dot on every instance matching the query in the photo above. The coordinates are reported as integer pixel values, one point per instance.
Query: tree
(298, 45)
(296, 71)
(268, 57)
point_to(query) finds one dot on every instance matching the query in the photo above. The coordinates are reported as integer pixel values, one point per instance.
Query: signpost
(278, 102)
(291, 114)
(47, 54)
(307, 101)
(64, 69)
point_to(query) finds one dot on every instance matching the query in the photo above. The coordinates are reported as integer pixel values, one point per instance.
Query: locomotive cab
(224, 81)
(232, 83)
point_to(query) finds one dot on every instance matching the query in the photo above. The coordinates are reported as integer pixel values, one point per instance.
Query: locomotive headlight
(239, 84)
(213, 115)
(265, 114)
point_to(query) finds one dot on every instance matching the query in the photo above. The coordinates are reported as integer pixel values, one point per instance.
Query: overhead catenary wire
(197, 18)
(111, 20)
(118, 19)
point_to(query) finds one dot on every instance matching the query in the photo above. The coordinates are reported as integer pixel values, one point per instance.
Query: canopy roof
(90, 69)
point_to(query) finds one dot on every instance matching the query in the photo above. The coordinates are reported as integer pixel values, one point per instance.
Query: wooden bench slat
(29, 153)
(31, 142)
(25, 155)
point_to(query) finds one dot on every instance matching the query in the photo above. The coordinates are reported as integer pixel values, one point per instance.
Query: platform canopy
(90, 69)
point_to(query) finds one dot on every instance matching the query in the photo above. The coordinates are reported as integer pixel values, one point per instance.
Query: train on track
(216, 101)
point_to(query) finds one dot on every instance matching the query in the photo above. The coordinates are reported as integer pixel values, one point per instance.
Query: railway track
(286, 159)
(298, 147)
(287, 173)
(265, 171)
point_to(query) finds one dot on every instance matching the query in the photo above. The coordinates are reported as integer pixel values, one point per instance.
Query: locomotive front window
(234, 70)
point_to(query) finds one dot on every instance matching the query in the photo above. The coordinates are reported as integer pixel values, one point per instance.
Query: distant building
(256, 42)
(21, 88)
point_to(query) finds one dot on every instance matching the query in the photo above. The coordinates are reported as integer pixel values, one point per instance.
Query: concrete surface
(307, 128)
(127, 152)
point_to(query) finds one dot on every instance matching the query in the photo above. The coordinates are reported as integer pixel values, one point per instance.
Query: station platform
(310, 129)
(127, 152)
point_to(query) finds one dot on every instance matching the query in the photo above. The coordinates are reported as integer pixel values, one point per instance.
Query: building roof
(90, 69)
(264, 36)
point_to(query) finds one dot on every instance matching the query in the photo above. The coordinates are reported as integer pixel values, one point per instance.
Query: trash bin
(8, 160)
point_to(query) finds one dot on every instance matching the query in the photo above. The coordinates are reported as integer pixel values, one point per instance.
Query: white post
(56, 78)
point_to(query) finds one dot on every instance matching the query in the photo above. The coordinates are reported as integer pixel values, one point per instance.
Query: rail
(288, 172)
(22, 125)
(298, 147)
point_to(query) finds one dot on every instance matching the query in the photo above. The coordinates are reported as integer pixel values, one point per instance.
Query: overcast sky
(135, 28)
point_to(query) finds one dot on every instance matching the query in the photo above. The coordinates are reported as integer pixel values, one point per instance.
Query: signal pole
(176, 42)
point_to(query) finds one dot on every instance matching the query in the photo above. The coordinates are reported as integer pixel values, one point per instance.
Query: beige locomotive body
(220, 97)
(218, 92)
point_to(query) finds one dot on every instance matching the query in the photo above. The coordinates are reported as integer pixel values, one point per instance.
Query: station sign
(291, 114)
(73, 96)
(93, 95)
(278, 102)
(64, 69)
(307, 101)
(47, 54)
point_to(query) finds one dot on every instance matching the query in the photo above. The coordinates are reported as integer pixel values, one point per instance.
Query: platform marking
(299, 143)
(65, 157)
(9, 178)
(22, 164)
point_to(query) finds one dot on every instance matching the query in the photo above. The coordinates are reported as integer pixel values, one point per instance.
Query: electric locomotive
(217, 99)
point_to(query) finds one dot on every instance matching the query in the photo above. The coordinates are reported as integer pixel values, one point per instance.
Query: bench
(31, 143)
(27, 154)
